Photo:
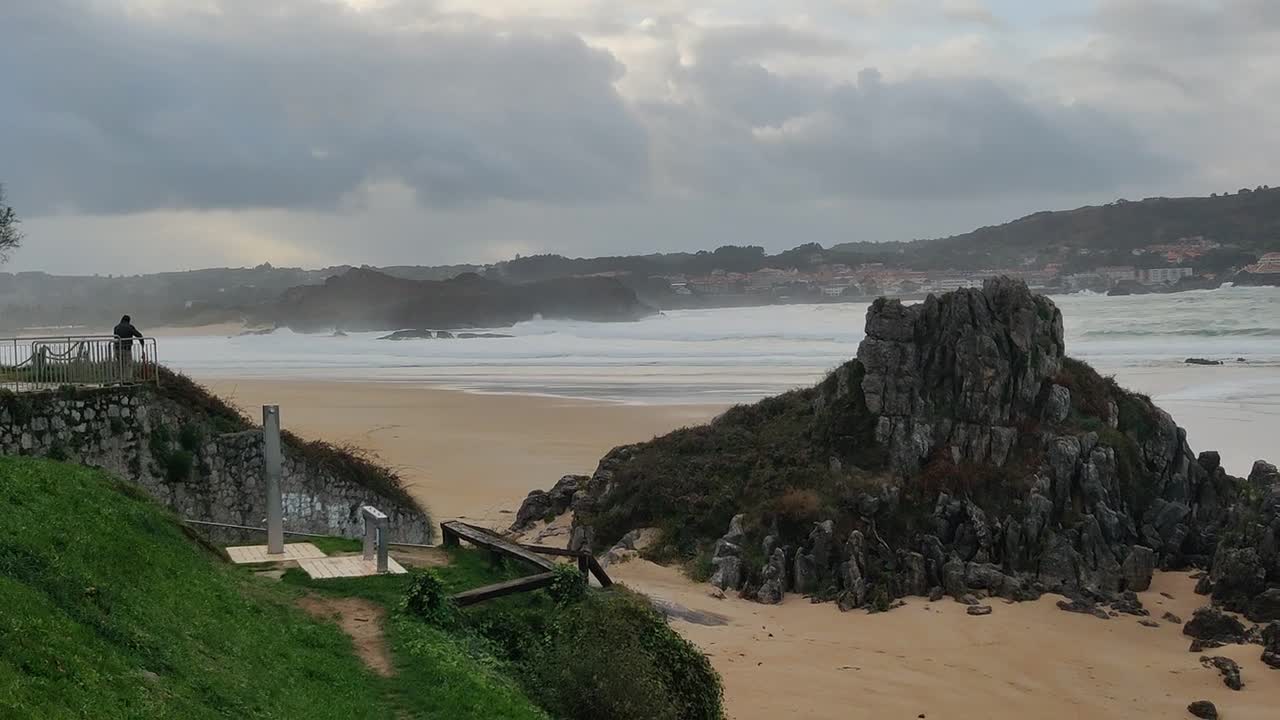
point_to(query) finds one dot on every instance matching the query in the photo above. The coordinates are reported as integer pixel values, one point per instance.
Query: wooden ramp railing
(454, 531)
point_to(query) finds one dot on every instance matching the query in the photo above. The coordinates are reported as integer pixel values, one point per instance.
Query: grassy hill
(1250, 220)
(111, 611)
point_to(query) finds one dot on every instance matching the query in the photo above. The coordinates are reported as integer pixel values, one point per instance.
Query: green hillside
(109, 610)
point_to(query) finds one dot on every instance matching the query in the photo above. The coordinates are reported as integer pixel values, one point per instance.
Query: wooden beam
(598, 571)
(558, 552)
(486, 539)
(497, 590)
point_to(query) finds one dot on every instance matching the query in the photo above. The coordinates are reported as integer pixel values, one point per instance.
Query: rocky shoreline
(961, 454)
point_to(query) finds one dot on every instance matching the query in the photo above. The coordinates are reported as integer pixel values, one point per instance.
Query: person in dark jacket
(125, 332)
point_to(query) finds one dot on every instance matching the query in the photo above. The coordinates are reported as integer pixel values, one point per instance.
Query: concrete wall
(135, 433)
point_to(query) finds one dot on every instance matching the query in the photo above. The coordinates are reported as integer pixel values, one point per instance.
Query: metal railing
(47, 363)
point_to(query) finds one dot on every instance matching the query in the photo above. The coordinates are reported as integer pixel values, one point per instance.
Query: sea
(727, 356)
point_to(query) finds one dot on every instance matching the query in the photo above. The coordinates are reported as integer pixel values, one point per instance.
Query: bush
(568, 586)
(800, 506)
(426, 598)
(177, 466)
(190, 437)
(613, 656)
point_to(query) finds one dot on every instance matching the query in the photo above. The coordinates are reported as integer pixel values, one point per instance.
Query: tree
(10, 236)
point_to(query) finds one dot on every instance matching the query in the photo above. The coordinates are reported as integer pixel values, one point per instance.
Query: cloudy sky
(141, 135)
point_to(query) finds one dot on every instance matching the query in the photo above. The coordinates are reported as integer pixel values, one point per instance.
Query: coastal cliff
(961, 453)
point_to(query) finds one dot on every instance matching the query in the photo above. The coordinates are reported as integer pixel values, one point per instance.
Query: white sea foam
(731, 354)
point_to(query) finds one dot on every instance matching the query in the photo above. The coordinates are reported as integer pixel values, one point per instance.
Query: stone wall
(185, 463)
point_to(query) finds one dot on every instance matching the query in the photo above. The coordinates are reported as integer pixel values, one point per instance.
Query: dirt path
(359, 619)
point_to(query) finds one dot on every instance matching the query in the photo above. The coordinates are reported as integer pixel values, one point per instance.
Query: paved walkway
(250, 554)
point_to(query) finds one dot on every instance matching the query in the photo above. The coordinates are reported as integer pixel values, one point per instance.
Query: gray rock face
(972, 360)
(773, 583)
(1137, 568)
(1265, 606)
(728, 573)
(1058, 405)
(1271, 645)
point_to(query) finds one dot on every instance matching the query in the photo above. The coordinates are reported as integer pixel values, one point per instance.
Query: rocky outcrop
(1246, 564)
(961, 450)
(1211, 624)
(958, 371)
(1271, 645)
(545, 504)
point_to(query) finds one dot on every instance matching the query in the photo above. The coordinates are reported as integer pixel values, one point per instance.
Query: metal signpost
(272, 470)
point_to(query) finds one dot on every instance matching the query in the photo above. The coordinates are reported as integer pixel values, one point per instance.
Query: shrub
(568, 586)
(799, 506)
(652, 672)
(190, 437)
(426, 598)
(177, 466)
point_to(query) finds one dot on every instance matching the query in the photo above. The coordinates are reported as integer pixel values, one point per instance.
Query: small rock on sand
(1203, 709)
(979, 610)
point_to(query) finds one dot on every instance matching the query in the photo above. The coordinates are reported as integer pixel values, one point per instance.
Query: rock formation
(963, 453)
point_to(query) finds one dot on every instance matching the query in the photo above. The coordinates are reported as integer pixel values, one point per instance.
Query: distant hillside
(363, 299)
(1248, 219)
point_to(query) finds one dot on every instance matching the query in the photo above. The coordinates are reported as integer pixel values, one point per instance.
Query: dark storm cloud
(915, 137)
(291, 104)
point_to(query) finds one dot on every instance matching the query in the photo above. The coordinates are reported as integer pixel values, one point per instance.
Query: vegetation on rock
(961, 451)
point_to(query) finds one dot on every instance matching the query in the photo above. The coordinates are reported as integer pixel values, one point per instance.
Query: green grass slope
(108, 610)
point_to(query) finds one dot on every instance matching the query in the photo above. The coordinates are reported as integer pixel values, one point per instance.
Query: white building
(1164, 276)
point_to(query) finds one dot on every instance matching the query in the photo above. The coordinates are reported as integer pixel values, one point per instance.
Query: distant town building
(1164, 276)
(834, 290)
(1118, 273)
(1269, 263)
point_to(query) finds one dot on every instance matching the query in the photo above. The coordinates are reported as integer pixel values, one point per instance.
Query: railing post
(375, 536)
(272, 470)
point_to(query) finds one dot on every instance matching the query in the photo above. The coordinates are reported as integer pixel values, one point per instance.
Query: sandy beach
(476, 456)
(462, 455)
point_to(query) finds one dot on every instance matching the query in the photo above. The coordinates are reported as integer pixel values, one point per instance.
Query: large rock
(1271, 645)
(1209, 623)
(1265, 606)
(541, 504)
(1138, 567)
(727, 574)
(773, 576)
(972, 360)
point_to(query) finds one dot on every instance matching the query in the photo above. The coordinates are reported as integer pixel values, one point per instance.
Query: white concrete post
(272, 470)
(375, 536)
